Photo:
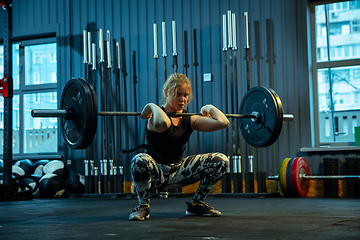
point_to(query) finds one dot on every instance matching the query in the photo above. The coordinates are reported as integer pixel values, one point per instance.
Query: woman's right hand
(146, 112)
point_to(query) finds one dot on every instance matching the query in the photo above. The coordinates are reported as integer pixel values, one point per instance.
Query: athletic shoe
(140, 213)
(201, 209)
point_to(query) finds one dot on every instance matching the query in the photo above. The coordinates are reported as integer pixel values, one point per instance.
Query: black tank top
(168, 147)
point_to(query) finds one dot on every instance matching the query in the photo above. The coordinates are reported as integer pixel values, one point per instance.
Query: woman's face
(177, 102)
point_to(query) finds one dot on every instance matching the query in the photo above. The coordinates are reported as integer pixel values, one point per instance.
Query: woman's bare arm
(212, 119)
(158, 120)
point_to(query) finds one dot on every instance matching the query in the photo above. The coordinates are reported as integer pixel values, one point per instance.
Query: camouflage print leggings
(147, 174)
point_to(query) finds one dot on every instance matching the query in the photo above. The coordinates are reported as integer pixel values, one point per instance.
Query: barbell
(294, 177)
(261, 115)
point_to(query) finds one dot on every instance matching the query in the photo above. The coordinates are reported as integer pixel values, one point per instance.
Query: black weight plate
(279, 117)
(266, 131)
(78, 132)
(93, 114)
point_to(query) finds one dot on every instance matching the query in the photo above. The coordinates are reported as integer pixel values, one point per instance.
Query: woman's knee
(141, 167)
(222, 160)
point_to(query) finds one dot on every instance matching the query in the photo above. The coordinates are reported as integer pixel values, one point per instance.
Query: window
(40, 64)
(53, 57)
(36, 78)
(34, 87)
(336, 71)
(53, 97)
(53, 77)
(39, 127)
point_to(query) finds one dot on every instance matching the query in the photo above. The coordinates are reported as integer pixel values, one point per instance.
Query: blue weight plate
(288, 178)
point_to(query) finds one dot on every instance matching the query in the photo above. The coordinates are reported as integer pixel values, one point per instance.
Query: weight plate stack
(350, 170)
(357, 181)
(331, 168)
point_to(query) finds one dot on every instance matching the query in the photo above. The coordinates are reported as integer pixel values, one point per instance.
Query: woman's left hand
(205, 110)
(212, 119)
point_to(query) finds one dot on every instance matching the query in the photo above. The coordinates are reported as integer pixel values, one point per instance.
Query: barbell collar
(62, 113)
(276, 177)
(288, 117)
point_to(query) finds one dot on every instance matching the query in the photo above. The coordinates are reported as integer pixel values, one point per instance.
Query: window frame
(315, 66)
(33, 88)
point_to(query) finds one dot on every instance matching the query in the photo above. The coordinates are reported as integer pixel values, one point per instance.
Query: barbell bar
(294, 177)
(329, 177)
(261, 115)
(66, 113)
(287, 117)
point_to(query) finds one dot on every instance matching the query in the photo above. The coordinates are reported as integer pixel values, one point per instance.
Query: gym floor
(102, 217)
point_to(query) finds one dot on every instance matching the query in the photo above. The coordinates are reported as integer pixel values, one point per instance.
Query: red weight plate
(298, 182)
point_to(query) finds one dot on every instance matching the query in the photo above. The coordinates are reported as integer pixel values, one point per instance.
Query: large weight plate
(79, 131)
(279, 116)
(299, 184)
(94, 112)
(267, 104)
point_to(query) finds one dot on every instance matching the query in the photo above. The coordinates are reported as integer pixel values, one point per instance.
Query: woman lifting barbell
(163, 164)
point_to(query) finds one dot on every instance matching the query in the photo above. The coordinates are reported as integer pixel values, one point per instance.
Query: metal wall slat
(16, 16)
(186, 23)
(302, 70)
(45, 11)
(214, 67)
(151, 63)
(78, 24)
(30, 15)
(52, 12)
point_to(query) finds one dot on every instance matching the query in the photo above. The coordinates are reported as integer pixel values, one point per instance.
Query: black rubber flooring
(242, 218)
